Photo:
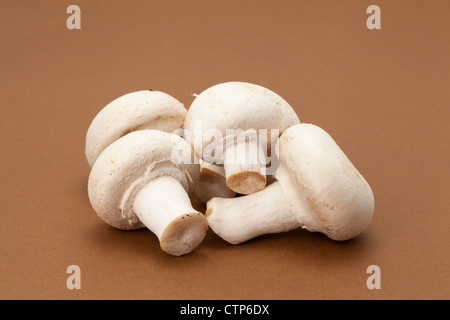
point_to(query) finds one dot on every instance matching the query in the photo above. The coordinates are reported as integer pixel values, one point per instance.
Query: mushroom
(243, 114)
(146, 109)
(211, 183)
(317, 188)
(143, 179)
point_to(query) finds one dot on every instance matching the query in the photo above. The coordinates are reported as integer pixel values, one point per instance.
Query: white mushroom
(143, 179)
(146, 109)
(317, 188)
(239, 111)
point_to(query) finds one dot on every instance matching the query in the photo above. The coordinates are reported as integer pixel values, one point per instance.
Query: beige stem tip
(184, 234)
(246, 182)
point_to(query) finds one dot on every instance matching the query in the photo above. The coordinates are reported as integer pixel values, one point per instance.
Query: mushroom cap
(146, 109)
(315, 171)
(128, 164)
(237, 105)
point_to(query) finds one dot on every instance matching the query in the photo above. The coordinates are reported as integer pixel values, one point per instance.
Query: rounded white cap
(237, 105)
(146, 109)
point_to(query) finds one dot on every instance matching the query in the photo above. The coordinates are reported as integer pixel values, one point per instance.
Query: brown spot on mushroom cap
(209, 212)
(329, 206)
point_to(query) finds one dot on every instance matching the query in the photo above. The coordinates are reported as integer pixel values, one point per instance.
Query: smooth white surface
(134, 111)
(241, 219)
(160, 202)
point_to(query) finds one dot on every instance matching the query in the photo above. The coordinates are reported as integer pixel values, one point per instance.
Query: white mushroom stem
(244, 164)
(163, 206)
(240, 219)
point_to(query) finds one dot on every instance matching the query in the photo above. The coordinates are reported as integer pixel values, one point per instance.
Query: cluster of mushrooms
(148, 166)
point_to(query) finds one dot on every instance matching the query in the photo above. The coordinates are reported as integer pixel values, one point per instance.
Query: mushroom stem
(240, 219)
(163, 206)
(244, 164)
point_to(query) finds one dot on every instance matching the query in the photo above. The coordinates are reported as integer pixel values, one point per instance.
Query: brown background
(383, 95)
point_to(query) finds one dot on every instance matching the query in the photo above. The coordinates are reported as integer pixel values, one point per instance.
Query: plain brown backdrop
(384, 95)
